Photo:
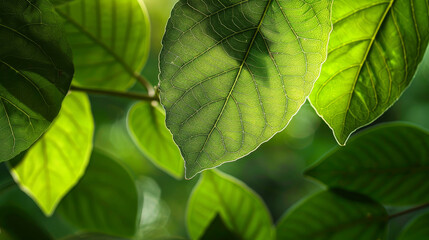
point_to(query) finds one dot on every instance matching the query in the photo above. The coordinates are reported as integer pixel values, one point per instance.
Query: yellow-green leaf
(52, 166)
(374, 51)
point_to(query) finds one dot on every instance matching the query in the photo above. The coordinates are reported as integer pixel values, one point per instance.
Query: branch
(408, 211)
(137, 96)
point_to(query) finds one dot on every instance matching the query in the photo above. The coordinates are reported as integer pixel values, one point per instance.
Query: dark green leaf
(417, 229)
(334, 215)
(217, 230)
(35, 72)
(110, 41)
(104, 201)
(147, 127)
(389, 163)
(58, 160)
(374, 51)
(234, 73)
(241, 209)
(19, 225)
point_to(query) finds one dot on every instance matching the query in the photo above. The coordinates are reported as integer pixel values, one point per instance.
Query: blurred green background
(274, 171)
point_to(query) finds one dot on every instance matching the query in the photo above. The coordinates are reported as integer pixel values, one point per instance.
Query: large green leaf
(234, 73)
(147, 126)
(104, 201)
(58, 160)
(390, 163)
(374, 51)
(334, 215)
(109, 39)
(35, 72)
(241, 209)
(416, 229)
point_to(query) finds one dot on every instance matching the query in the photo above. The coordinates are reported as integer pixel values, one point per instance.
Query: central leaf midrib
(93, 38)
(236, 77)
(370, 45)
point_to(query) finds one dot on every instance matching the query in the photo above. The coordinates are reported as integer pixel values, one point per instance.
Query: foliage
(79, 117)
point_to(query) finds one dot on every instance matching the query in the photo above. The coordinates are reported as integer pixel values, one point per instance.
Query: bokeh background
(274, 171)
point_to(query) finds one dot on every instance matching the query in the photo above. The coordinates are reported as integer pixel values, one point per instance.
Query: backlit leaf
(147, 127)
(334, 215)
(389, 163)
(109, 39)
(234, 73)
(242, 210)
(35, 72)
(58, 160)
(374, 51)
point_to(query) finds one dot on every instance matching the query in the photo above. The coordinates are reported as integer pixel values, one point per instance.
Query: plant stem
(131, 95)
(146, 84)
(409, 211)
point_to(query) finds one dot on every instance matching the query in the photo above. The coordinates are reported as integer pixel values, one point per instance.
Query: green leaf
(374, 51)
(20, 225)
(35, 72)
(241, 209)
(146, 124)
(58, 160)
(234, 73)
(110, 41)
(217, 230)
(104, 201)
(59, 2)
(334, 215)
(389, 163)
(416, 229)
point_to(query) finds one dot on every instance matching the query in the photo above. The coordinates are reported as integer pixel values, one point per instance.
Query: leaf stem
(137, 96)
(416, 208)
(146, 84)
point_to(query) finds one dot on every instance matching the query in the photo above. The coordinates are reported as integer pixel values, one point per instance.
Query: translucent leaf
(58, 160)
(35, 72)
(234, 73)
(241, 209)
(389, 163)
(110, 41)
(147, 127)
(334, 215)
(374, 51)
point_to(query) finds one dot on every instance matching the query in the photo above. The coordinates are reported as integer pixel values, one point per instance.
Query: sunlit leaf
(234, 73)
(389, 163)
(35, 72)
(416, 229)
(217, 230)
(109, 39)
(147, 127)
(374, 51)
(334, 215)
(104, 201)
(242, 210)
(58, 160)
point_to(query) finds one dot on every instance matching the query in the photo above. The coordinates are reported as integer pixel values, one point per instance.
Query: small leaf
(389, 163)
(104, 201)
(374, 51)
(58, 160)
(110, 41)
(416, 229)
(234, 73)
(241, 209)
(35, 72)
(146, 124)
(334, 215)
